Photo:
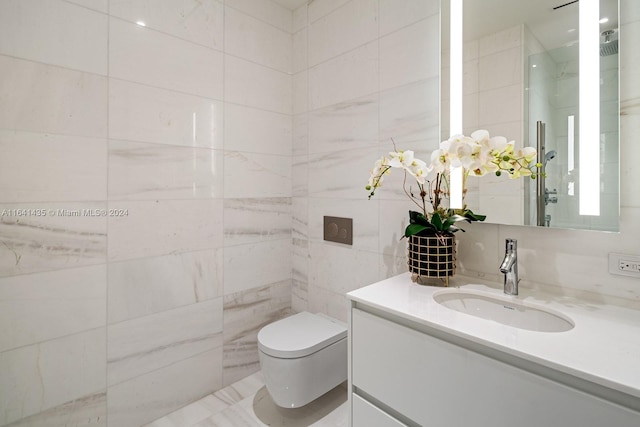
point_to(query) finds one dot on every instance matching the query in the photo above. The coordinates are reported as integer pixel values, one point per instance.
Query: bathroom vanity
(414, 361)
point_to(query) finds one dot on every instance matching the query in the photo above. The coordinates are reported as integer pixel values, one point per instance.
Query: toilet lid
(299, 335)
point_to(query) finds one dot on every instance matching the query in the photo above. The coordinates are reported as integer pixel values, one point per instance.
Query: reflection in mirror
(521, 67)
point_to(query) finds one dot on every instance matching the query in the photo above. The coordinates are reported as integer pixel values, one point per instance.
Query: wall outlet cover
(624, 265)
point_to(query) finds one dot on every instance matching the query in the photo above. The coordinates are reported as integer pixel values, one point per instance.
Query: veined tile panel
(245, 313)
(265, 10)
(254, 40)
(254, 85)
(348, 76)
(348, 125)
(148, 114)
(342, 173)
(256, 220)
(51, 236)
(257, 264)
(150, 285)
(334, 304)
(88, 411)
(300, 176)
(161, 227)
(141, 171)
(508, 95)
(54, 32)
(301, 92)
(40, 166)
(300, 16)
(393, 18)
(409, 114)
(44, 306)
(99, 5)
(410, 54)
(256, 175)
(345, 28)
(257, 131)
(196, 21)
(142, 345)
(145, 398)
(319, 9)
(146, 56)
(501, 69)
(42, 376)
(300, 134)
(300, 51)
(44, 98)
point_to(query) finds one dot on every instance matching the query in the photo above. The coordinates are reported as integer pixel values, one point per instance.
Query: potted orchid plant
(431, 227)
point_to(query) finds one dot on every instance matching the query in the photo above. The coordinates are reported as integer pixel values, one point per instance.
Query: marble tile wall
(364, 72)
(146, 212)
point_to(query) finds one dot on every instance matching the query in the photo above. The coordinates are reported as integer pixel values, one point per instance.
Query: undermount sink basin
(503, 310)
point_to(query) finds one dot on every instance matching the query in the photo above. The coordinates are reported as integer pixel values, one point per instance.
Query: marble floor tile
(247, 403)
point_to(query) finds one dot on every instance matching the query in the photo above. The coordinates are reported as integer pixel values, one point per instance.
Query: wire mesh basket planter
(432, 257)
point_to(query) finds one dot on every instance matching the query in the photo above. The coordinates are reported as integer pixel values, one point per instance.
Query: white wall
(185, 124)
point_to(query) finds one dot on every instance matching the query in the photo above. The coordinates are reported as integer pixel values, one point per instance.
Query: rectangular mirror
(522, 80)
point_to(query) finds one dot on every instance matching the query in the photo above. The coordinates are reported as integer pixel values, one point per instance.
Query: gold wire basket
(432, 257)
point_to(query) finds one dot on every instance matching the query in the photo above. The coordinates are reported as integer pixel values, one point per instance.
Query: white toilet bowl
(302, 357)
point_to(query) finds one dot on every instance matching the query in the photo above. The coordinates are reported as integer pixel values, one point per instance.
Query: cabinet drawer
(366, 414)
(436, 383)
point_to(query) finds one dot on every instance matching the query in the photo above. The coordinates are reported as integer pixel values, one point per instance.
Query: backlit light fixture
(589, 105)
(455, 95)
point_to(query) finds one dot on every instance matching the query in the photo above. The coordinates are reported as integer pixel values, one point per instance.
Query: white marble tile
(393, 18)
(348, 76)
(411, 113)
(500, 69)
(44, 306)
(300, 133)
(344, 173)
(257, 264)
(344, 126)
(629, 11)
(142, 113)
(256, 175)
(37, 166)
(88, 411)
(346, 28)
(266, 10)
(629, 84)
(245, 313)
(300, 92)
(333, 267)
(300, 54)
(139, 346)
(256, 130)
(300, 16)
(161, 227)
(99, 5)
(54, 32)
(300, 176)
(42, 376)
(142, 55)
(319, 9)
(256, 220)
(150, 285)
(502, 40)
(200, 22)
(254, 85)
(252, 39)
(334, 304)
(44, 98)
(629, 171)
(508, 97)
(141, 171)
(150, 396)
(394, 218)
(411, 54)
(51, 236)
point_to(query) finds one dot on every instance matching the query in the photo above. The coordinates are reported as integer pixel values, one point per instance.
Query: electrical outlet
(625, 265)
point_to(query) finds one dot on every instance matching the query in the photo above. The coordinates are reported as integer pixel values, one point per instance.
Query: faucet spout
(509, 267)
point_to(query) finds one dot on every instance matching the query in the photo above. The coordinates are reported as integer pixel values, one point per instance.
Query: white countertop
(603, 347)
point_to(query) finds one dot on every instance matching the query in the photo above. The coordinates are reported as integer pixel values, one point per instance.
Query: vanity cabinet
(408, 374)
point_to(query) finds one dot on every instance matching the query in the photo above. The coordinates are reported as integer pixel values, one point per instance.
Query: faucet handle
(511, 245)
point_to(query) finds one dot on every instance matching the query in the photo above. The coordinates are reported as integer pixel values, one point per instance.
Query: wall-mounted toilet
(302, 357)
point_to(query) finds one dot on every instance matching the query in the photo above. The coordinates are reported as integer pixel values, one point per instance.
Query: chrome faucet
(509, 267)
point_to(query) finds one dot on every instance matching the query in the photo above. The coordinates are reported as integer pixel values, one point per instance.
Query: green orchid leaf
(437, 222)
(413, 229)
(474, 217)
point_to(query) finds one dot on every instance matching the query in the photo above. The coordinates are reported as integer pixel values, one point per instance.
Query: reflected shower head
(550, 155)
(609, 45)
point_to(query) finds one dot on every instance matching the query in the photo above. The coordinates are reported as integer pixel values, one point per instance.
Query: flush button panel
(338, 230)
